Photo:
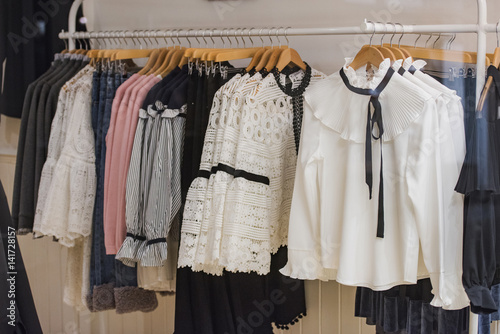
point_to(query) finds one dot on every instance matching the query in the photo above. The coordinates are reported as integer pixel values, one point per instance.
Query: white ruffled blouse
(334, 225)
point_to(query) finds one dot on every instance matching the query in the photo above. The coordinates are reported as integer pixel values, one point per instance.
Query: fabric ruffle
(127, 253)
(155, 254)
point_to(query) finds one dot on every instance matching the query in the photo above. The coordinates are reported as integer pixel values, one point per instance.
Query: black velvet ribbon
(373, 119)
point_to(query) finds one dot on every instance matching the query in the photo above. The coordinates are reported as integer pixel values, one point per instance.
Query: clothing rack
(481, 28)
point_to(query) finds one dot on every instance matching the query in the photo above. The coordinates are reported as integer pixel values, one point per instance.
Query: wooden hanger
(368, 55)
(263, 60)
(489, 82)
(398, 52)
(166, 61)
(255, 59)
(175, 60)
(290, 56)
(439, 54)
(273, 59)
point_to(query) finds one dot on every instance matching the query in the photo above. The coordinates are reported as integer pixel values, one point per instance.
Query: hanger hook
(90, 39)
(428, 39)
(106, 39)
(249, 36)
(196, 37)
(222, 39)
(143, 37)
(260, 36)
(434, 44)
(415, 44)
(373, 32)
(242, 35)
(496, 31)
(278, 37)
(448, 44)
(383, 34)
(157, 37)
(187, 38)
(229, 39)
(203, 36)
(236, 37)
(165, 37)
(177, 37)
(120, 41)
(85, 41)
(402, 34)
(394, 33)
(211, 37)
(269, 35)
(286, 36)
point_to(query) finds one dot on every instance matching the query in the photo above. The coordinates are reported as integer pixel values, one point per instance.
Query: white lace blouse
(68, 182)
(238, 216)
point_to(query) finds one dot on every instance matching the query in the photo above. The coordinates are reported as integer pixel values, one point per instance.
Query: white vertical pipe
(72, 22)
(482, 21)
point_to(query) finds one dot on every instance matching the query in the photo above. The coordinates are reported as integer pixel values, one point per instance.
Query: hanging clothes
(479, 182)
(112, 284)
(225, 304)
(386, 251)
(246, 177)
(38, 111)
(407, 308)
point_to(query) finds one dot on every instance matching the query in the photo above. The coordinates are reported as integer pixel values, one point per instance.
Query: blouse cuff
(481, 300)
(305, 264)
(128, 252)
(155, 253)
(451, 294)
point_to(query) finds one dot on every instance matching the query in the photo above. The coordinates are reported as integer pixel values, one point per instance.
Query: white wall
(330, 306)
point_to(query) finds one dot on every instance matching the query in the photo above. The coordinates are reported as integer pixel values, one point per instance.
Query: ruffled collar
(343, 110)
(362, 78)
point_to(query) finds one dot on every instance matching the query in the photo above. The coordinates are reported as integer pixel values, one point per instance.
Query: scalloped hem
(131, 299)
(291, 323)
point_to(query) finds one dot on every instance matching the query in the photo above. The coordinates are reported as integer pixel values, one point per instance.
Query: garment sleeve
(128, 250)
(479, 243)
(304, 225)
(427, 176)
(452, 149)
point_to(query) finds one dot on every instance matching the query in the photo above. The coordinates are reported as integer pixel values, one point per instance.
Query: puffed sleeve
(304, 226)
(426, 178)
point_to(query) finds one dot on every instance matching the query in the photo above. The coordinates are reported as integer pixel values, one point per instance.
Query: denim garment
(102, 266)
(95, 101)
